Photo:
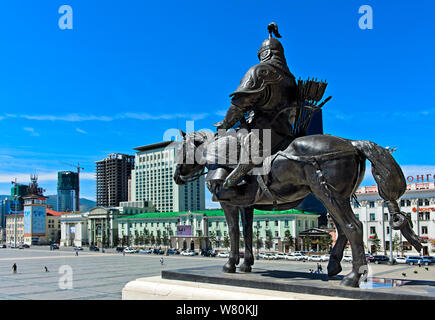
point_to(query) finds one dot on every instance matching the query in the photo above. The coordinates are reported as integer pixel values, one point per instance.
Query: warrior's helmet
(271, 46)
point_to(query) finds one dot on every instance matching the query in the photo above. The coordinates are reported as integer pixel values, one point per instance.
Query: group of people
(319, 269)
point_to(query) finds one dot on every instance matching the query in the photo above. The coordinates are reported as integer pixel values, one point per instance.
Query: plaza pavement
(103, 275)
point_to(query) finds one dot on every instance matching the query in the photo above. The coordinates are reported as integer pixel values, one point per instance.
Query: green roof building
(208, 228)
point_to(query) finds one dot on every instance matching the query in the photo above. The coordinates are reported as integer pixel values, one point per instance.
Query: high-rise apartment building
(112, 175)
(152, 180)
(67, 191)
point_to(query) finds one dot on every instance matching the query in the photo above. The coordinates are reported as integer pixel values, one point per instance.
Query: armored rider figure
(268, 93)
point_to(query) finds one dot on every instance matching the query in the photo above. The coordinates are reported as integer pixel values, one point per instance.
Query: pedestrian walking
(161, 261)
(123, 252)
(419, 263)
(77, 253)
(14, 268)
(45, 267)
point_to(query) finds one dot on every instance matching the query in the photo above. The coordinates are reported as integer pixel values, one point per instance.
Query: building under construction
(112, 175)
(67, 191)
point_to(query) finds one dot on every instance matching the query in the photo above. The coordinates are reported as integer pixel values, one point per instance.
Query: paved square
(103, 275)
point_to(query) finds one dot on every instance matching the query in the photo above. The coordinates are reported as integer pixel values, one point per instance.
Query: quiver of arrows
(309, 93)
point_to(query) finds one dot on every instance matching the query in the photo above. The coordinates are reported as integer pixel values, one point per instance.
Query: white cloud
(32, 131)
(127, 115)
(81, 131)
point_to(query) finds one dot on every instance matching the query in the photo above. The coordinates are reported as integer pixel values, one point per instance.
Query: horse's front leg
(232, 217)
(247, 219)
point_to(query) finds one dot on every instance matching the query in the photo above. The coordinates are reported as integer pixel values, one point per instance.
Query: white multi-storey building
(152, 180)
(418, 200)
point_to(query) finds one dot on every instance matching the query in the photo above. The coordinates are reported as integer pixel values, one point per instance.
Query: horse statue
(329, 167)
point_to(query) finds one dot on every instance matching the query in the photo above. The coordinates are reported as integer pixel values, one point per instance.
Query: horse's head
(190, 167)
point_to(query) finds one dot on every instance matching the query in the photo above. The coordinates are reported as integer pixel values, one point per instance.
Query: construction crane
(78, 182)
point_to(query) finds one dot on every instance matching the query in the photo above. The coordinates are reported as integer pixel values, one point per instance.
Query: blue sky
(130, 70)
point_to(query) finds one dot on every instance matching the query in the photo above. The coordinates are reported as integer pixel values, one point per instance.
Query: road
(97, 275)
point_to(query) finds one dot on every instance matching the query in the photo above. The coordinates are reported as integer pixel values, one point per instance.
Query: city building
(418, 201)
(74, 229)
(14, 232)
(103, 221)
(112, 174)
(152, 180)
(18, 191)
(35, 214)
(6, 206)
(67, 191)
(208, 228)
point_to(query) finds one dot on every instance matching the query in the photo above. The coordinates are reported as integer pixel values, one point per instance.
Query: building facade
(152, 180)
(418, 201)
(208, 228)
(112, 175)
(14, 231)
(74, 229)
(67, 191)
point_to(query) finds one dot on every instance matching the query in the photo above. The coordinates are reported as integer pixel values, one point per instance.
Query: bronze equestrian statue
(329, 167)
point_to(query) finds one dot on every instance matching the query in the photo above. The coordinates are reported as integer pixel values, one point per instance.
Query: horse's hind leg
(232, 217)
(334, 265)
(342, 213)
(247, 219)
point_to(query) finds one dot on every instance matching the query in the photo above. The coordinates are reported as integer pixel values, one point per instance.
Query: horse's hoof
(245, 268)
(229, 268)
(351, 280)
(334, 268)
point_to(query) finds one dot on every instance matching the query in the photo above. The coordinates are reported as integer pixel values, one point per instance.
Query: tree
(147, 238)
(376, 244)
(226, 242)
(213, 239)
(165, 238)
(159, 238)
(269, 241)
(396, 243)
(152, 239)
(308, 242)
(288, 240)
(325, 243)
(258, 242)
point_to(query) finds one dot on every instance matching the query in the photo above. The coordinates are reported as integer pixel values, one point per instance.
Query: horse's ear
(183, 134)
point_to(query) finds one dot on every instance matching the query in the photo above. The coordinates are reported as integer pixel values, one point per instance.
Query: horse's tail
(391, 186)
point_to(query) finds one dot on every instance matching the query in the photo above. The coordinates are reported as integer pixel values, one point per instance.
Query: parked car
(280, 256)
(25, 245)
(369, 257)
(158, 251)
(173, 251)
(54, 247)
(347, 259)
(400, 259)
(377, 259)
(411, 260)
(315, 258)
(130, 250)
(187, 253)
(208, 253)
(146, 251)
(3, 246)
(223, 255)
(300, 256)
(324, 258)
(78, 248)
(93, 248)
(119, 249)
(430, 259)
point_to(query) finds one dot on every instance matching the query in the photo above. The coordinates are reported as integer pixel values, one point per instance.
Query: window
(286, 223)
(371, 204)
(276, 223)
(276, 233)
(372, 230)
(424, 229)
(372, 217)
